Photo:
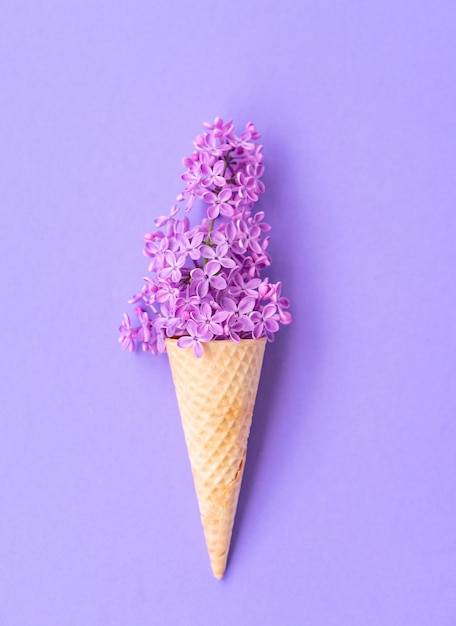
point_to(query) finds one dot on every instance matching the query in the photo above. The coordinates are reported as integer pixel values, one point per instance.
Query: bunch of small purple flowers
(204, 281)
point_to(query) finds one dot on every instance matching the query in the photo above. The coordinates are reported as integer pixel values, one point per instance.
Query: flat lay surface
(347, 507)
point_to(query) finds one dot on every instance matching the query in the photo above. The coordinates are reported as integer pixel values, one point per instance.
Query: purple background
(347, 512)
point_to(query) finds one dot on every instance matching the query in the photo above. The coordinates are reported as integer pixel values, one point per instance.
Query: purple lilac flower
(228, 235)
(208, 320)
(239, 323)
(237, 309)
(218, 255)
(265, 320)
(257, 220)
(219, 128)
(169, 322)
(144, 331)
(207, 277)
(238, 320)
(240, 286)
(281, 302)
(186, 304)
(194, 338)
(249, 237)
(166, 292)
(190, 246)
(192, 176)
(218, 203)
(248, 187)
(208, 143)
(204, 283)
(173, 266)
(213, 175)
(127, 334)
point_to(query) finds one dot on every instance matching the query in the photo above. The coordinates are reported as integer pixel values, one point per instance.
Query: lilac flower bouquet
(204, 280)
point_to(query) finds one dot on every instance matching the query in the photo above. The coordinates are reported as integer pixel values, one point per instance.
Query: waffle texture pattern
(216, 395)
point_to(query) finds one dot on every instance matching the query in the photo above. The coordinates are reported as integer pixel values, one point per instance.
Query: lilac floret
(195, 338)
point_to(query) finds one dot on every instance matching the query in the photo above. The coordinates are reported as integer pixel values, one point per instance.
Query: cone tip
(218, 572)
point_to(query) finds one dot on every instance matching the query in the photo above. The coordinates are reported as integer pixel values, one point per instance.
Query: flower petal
(246, 305)
(198, 349)
(218, 282)
(185, 342)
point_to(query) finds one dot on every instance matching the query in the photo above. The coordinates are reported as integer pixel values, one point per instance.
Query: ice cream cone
(216, 395)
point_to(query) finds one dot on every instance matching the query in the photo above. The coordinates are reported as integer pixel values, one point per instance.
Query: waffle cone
(216, 395)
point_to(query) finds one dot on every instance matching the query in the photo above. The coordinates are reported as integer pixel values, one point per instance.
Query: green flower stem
(208, 239)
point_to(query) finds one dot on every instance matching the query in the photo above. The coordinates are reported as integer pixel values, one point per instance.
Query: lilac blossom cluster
(204, 281)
